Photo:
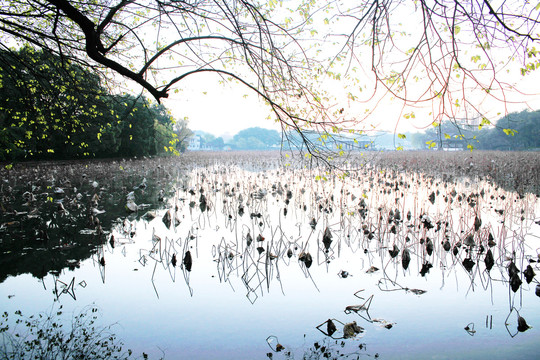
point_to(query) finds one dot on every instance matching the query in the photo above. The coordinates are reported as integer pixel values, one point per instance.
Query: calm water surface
(248, 227)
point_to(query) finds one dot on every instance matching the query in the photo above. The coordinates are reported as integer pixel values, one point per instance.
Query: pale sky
(218, 109)
(225, 109)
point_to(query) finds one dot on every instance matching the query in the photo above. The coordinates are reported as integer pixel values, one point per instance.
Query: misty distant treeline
(50, 108)
(254, 138)
(516, 131)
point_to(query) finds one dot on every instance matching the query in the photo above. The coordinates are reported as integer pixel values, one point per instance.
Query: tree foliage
(449, 55)
(54, 108)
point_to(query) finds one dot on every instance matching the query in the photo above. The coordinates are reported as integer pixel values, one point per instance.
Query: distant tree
(206, 137)
(217, 143)
(515, 131)
(183, 134)
(256, 138)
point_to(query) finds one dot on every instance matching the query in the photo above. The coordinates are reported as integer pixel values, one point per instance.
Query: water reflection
(55, 216)
(364, 245)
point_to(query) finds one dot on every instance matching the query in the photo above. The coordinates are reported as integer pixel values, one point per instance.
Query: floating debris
(166, 219)
(425, 268)
(358, 308)
(187, 261)
(327, 238)
(405, 258)
(202, 203)
(522, 325)
(491, 240)
(313, 223)
(417, 291)
(354, 308)
(469, 240)
(477, 223)
(515, 283)
(394, 252)
(351, 329)
(446, 245)
(489, 260)
(330, 327)
(385, 324)
(131, 206)
(468, 264)
(470, 329)
(306, 259)
(149, 215)
(513, 272)
(529, 274)
(271, 340)
(429, 246)
(432, 198)
(372, 269)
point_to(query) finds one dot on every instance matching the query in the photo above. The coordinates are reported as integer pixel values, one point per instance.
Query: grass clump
(47, 336)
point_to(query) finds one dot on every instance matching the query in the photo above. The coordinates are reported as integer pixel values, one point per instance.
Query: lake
(251, 255)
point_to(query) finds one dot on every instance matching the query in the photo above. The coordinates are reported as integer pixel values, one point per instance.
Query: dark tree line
(52, 108)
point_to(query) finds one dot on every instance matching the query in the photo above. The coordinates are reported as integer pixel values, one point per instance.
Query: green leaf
(510, 132)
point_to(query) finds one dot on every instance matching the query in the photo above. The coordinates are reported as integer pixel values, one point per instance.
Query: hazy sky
(221, 109)
(218, 109)
(227, 109)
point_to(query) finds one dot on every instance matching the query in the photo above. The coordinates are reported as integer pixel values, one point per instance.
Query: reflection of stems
(153, 283)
